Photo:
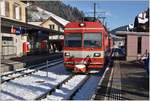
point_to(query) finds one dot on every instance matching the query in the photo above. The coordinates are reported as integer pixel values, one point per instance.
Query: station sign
(56, 37)
(17, 30)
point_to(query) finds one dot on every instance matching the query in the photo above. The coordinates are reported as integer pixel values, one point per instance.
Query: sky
(118, 13)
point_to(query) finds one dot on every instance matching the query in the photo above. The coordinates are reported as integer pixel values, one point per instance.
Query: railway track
(28, 70)
(72, 86)
(66, 89)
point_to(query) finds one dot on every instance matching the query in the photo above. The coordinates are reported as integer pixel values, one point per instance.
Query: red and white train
(85, 46)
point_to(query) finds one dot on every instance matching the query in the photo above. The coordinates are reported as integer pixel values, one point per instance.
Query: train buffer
(125, 81)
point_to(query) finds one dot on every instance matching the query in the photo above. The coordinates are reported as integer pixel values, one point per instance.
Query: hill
(60, 9)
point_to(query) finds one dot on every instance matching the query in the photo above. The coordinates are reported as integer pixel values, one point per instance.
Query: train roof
(87, 24)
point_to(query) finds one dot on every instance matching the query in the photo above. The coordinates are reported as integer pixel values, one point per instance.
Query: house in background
(53, 23)
(40, 17)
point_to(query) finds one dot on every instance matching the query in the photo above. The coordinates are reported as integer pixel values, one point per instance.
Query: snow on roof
(57, 18)
(115, 37)
(35, 23)
(142, 18)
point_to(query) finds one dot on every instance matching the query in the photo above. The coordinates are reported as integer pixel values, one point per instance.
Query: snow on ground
(88, 89)
(66, 89)
(30, 87)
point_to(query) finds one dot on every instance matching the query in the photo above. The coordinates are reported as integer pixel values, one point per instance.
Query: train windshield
(73, 40)
(93, 40)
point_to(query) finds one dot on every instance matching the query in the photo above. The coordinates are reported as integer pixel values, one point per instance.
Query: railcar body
(85, 46)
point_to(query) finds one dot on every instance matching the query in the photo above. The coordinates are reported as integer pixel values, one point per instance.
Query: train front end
(84, 46)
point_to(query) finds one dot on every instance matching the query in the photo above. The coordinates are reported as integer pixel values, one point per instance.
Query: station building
(20, 38)
(12, 41)
(136, 44)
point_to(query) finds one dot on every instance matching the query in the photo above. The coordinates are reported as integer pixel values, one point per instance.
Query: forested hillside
(60, 9)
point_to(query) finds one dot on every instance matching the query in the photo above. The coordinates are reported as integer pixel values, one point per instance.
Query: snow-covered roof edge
(57, 18)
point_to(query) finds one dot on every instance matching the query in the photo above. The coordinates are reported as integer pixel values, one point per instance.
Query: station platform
(125, 81)
(22, 62)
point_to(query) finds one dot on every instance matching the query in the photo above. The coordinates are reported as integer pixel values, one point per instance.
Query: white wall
(18, 42)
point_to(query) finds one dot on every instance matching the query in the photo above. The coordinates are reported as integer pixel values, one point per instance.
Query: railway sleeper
(53, 89)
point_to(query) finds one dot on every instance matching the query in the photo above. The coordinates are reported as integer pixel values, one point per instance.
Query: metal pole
(94, 11)
(47, 68)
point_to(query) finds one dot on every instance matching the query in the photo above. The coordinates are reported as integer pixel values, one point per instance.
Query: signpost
(47, 68)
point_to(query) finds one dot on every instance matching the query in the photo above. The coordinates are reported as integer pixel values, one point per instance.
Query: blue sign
(20, 31)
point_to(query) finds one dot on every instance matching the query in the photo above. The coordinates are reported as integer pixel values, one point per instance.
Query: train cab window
(73, 40)
(93, 40)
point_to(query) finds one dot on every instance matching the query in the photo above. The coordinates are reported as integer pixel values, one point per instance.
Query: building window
(52, 26)
(58, 28)
(2, 8)
(139, 45)
(7, 40)
(20, 13)
(17, 11)
(7, 9)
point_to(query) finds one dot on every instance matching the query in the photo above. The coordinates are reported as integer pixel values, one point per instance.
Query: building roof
(51, 18)
(35, 23)
(8, 23)
(41, 13)
(142, 17)
(116, 37)
(132, 33)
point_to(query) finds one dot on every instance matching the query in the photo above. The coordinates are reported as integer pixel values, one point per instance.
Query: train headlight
(67, 54)
(82, 24)
(97, 54)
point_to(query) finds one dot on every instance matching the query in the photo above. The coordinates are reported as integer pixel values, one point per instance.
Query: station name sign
(56, 37)
(17, 31)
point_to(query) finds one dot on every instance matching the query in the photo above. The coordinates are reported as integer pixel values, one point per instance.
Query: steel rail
(31, 70)
(54, 88)
(29, 67)
(79, 86)
(70, 95)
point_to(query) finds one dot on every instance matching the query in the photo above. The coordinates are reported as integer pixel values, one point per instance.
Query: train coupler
(80, 68)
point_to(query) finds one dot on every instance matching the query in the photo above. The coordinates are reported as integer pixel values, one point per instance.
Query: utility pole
(94, 11)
